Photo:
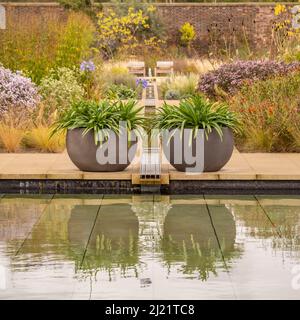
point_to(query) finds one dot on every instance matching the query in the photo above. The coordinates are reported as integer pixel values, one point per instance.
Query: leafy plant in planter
(92, 124)
(196, 113)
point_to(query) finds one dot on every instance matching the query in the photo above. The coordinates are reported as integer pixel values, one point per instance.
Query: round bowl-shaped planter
(214, 154)
(115, 155)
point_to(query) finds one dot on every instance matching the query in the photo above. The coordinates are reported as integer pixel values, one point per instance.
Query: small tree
(188, 34)
(118, 32)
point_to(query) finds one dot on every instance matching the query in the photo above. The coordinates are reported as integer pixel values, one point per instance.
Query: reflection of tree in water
(189, 240)
(113, 244)
(277, 226)
(18, 216)
(254, 222)
(287, 221)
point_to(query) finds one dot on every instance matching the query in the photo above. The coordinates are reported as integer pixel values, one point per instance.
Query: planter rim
(208, 133)
(82, 128)
(223, 127)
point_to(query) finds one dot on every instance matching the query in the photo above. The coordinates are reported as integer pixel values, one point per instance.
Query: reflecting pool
(149, 247)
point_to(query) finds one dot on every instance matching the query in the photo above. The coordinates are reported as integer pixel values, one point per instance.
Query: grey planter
(83, 152)
(217, 152)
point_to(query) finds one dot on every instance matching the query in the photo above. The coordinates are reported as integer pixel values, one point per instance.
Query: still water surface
(149, 247)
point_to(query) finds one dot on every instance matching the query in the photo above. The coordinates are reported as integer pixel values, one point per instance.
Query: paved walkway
(242, 166)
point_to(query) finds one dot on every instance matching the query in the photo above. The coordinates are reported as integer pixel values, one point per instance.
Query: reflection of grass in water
(112, 255)
(289, 246)
(202, 261)
(286, 222)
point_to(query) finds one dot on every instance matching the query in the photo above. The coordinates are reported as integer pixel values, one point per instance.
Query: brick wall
(20, 13)
(212, 21)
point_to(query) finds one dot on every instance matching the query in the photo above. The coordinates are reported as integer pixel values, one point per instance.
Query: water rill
(150, 162)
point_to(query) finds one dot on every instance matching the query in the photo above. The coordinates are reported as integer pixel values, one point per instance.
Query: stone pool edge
(46, 186)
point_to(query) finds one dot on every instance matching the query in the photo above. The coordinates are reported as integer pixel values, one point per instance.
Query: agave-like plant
(100, 117)
(196, 113)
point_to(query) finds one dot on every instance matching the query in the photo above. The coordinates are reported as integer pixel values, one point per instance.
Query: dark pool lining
(242, 187)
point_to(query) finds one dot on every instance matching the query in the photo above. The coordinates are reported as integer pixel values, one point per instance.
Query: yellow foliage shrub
(39, 138)
(11, 138)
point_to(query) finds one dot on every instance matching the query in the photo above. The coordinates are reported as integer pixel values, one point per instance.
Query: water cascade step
(150, 162)
(150, 166)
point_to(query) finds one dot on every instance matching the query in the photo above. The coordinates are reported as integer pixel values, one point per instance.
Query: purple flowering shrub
(142, 82)
(231, 77)
(87, 66)
(17, 93)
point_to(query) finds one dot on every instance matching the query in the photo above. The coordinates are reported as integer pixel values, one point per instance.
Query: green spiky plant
(117, 92)
(196, 113)
(100, 117)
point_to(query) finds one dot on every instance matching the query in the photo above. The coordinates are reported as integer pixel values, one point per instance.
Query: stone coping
(241, 167)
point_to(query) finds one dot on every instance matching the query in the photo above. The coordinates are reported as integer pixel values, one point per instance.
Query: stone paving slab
(242, 166)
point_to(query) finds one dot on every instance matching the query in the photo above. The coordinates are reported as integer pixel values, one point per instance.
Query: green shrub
(115, 92)
(114, 74)
(30, 46)
(60, 89)
(74, 44)
(125, 79)
(172, 95)
(183, 85)
(36, 45)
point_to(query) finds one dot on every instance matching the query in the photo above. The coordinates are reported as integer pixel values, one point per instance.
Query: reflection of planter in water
(189, 239)
(114, 241)
(82, 151)
(217, 151)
